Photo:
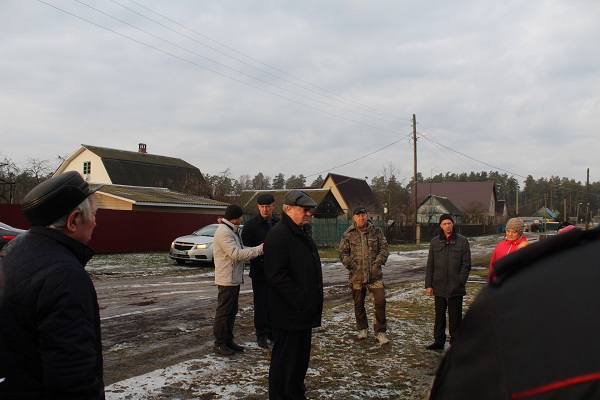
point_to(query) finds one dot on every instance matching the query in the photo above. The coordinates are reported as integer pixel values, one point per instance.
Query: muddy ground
(157, 315)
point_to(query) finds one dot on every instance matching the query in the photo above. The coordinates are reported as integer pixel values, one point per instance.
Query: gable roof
(136, 168)
(462, 194)
(355, 192)
(445, 203)
(545, 212)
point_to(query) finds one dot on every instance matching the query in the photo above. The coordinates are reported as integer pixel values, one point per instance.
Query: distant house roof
(354, 192)
(153, 196)
(248, 200)
(448, 206)
(137, 168)
(545, 213)
(432, 207)
(462, 194)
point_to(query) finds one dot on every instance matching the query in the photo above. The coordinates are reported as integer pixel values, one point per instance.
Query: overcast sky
(307, 87)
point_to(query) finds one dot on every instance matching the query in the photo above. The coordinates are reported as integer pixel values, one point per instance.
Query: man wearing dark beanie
(229, 257)
(254, 233)
(448, 267)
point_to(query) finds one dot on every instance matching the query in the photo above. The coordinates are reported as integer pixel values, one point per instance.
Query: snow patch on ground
(342, 367)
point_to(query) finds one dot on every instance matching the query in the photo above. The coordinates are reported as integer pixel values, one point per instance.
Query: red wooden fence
(127, 231)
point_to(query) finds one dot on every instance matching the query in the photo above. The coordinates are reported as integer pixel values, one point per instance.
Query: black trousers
(289, 362)
(260, 290)
(227, 309)
(454, 307)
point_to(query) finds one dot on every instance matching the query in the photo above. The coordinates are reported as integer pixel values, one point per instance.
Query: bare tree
(390, 192)
(8, 176)
(39, 170)
(244, 182)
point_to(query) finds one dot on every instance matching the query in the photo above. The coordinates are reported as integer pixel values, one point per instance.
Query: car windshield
(208, 230)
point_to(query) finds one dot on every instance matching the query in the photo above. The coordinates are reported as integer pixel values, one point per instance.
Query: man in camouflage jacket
(363, 250)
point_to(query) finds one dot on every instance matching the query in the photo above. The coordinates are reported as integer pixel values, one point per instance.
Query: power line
(361, 157)
(355, 103)
(217, 72)
(228, 67)
(551, 185)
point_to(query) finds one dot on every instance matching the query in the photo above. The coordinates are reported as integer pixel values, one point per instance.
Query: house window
(87, 167)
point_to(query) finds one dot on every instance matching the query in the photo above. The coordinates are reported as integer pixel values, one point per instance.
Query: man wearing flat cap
(363, 251)
(448, 267)
(293, 272)
(50, 345)
(254, 233)
(229, 256)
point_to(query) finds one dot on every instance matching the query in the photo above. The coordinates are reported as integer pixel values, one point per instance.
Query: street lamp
(577, 214)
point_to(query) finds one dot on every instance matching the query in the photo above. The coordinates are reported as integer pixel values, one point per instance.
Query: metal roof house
(121, 167)
(136, 210)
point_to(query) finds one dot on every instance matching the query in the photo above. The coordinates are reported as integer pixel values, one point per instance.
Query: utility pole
(587, 200)
(417, 226)
(517, 206)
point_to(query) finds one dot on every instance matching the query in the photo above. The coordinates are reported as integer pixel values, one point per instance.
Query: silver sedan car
(196, 247)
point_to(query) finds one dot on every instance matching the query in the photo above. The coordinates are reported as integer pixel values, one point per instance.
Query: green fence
(329, 231)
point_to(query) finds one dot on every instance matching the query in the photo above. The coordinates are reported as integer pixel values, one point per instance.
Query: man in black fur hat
(254, 233)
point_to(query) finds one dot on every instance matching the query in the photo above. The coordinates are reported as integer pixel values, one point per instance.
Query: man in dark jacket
(50, 345)
(254, 233)
(448, 267)
(293, 271)
(532, 332)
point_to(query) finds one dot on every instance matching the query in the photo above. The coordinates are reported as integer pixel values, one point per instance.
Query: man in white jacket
(229, 257)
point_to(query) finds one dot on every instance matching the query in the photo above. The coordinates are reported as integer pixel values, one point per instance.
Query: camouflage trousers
(377, 295)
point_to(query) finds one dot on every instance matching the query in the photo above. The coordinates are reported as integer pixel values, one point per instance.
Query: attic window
(87, 167)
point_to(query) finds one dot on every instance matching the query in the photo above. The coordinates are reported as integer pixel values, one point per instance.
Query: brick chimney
(142, 148)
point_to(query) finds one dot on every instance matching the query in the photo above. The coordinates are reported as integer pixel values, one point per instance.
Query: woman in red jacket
(513, 240)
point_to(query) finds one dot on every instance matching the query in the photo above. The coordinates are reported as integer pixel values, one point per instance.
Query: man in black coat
(448, 267)
(532, 332)
(254, 234)
(293, 271)
(50, 346)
